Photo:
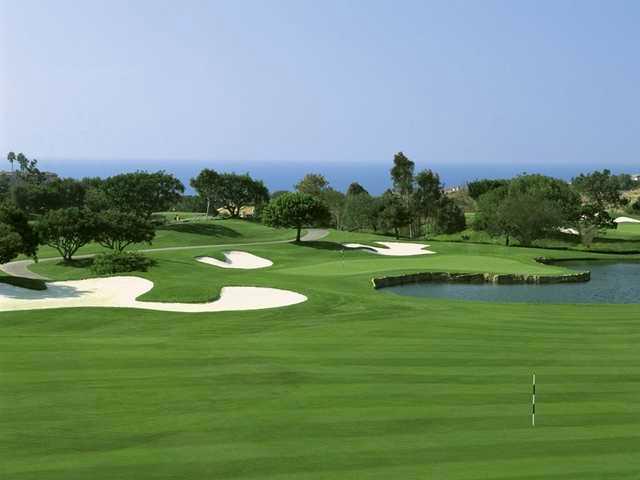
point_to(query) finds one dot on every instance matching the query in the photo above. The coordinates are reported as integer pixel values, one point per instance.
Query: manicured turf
(353, 384)
(201, 232)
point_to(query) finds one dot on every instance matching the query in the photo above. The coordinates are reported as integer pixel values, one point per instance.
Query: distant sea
(373, 176)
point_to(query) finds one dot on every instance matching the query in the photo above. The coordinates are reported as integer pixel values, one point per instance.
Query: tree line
(532, 207)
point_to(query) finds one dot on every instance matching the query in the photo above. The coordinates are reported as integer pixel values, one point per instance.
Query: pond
(611, 282)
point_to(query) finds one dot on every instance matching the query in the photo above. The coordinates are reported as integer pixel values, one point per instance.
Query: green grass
(353, 384)
(202, 232)
(623, 240)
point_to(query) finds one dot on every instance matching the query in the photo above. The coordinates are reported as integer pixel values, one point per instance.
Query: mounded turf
(353, 384)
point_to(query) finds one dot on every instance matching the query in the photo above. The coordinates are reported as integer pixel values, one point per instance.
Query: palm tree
(12, 158)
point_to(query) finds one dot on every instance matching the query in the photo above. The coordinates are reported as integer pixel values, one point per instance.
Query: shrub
(109, 263)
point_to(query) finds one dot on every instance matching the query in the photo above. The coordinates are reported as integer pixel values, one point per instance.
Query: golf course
(352, 383)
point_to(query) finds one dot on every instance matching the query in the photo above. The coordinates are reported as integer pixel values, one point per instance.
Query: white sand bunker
(626, 220)
(121, 292)
(236, 259)
(394, 249)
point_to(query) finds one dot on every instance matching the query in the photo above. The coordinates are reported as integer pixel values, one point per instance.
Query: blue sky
(537, 83)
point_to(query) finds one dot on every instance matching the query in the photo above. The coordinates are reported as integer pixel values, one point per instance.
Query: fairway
(353, 384)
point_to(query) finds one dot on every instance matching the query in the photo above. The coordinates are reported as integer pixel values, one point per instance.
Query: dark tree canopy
(528, 208)
(402, 174)
(356, 189)
(142, 192)
(393, 214)
(448, 217)
(477, 188)
(67, 229)
(360, 212)
(16, 234)
(230, 191)
(600, 188)
(116, 229)
(296, 210)
(206, 184)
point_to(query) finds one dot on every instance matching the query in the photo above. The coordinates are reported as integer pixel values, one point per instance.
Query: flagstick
(533, 403)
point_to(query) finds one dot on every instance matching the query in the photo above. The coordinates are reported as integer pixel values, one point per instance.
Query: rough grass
(353, 384)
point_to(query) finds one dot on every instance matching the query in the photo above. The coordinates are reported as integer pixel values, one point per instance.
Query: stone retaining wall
(496, 278)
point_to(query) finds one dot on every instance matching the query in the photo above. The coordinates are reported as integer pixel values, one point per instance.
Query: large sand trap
(122, 292)
(394, 249)
(237, 259)
(570, 231)
(626, 220)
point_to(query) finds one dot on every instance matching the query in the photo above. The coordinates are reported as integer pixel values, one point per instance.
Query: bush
(109, 263)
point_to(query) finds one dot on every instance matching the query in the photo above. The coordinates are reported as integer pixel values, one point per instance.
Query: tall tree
(403, 182)
(206, 184)
(356, 189)
(393, 214)
(335, 200)
(11, 157)
(295, 210)
(313, 184)
(360, 212)
(427, 196)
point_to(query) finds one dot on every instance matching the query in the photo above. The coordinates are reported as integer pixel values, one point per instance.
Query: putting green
(351, 384)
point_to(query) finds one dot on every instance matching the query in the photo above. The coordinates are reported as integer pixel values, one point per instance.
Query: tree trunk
(208, 205)
(298, 234)
(507, 241)
(397, 234)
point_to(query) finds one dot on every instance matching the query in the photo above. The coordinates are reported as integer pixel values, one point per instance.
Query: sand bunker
(237, 259)
(626, 220)
(121, 292)
(570, 231)
(394, 249)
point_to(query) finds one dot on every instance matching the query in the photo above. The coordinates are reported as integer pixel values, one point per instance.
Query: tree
(312, 184)
(11, 157)
(393, 214)
(529, 207)
(117, 229)
(488, 216)
(66, 230)
(356, 189)
(402, 177)
(360, 212)
(141, 192)
(335, 201)
(602, 191)
(295, 210)
(237, 191)
(449, 217)
(16, 234)
(591, 221)
(477, 188)
(427, 196)
(600, 188)
(52, 194)
(206, 184)
(530, 216)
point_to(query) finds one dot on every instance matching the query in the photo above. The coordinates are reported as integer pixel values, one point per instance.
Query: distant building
(636, 177)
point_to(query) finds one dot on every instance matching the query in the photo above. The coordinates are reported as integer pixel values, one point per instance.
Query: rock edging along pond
(495, 278)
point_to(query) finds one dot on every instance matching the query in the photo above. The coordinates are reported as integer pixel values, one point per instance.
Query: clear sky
(449, 83)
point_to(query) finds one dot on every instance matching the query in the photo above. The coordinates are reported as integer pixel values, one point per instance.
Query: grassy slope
(203, 232)
(352, 384)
